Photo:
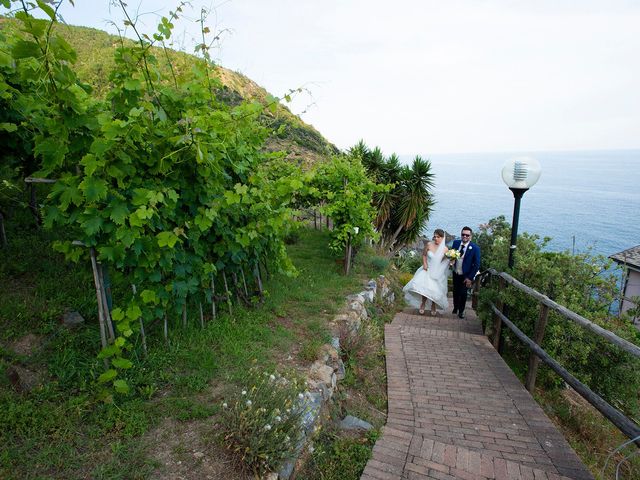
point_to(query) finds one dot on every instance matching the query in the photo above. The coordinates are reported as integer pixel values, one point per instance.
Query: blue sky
(430, 76)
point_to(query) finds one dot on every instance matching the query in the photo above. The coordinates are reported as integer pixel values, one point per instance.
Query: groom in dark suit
(464, 269)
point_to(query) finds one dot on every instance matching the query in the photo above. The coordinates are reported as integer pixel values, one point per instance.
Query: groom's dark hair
(466, 228)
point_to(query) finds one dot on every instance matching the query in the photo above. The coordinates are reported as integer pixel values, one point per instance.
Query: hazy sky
(433, 76)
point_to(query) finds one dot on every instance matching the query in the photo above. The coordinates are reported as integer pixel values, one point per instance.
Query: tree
(404, 209)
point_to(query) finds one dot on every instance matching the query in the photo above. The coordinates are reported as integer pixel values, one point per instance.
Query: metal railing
(621, 421)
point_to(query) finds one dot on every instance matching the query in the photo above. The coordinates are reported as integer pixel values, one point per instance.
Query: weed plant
(336, 457)
(262, 422)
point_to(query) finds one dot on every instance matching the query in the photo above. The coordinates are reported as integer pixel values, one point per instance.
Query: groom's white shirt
(459, 261)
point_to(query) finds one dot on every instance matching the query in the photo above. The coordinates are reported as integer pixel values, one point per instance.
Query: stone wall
(325, 373)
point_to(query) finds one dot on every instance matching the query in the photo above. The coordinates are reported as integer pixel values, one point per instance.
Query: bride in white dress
(429, 284)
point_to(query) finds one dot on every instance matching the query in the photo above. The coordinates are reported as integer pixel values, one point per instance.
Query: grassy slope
(60, 429)
(95, 48)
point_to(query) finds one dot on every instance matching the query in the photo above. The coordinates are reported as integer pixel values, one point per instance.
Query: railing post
(497, 322)
(474, 294)
(538, 335)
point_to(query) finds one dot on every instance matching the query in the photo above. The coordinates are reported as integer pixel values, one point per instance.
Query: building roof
(630, 257)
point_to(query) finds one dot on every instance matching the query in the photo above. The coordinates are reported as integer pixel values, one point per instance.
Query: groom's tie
(461, 249)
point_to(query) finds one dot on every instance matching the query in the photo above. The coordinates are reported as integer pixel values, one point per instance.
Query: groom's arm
(475, 265)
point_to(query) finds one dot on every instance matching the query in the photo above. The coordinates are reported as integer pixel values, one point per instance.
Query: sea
(584, 200)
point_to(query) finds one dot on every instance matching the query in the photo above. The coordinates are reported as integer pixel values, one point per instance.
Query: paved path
(456, 411)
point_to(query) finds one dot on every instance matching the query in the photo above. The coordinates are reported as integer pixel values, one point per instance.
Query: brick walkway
(456, 411)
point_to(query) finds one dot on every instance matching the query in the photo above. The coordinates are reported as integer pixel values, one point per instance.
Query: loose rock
(72, 319)
(354, 423)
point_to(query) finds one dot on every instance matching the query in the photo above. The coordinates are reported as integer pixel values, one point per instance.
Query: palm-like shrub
(402, 211)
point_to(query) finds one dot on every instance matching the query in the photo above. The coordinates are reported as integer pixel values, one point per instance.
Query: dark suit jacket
(471, 261)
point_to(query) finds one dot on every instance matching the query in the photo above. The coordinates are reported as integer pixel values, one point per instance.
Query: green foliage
(340, 458)
(345, 194)
(407, 261)
(378, 264)
(261, 423)
(402, 209)
(583, 283)
(162, 179)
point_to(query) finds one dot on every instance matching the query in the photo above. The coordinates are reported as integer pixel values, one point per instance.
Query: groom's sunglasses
(465, 235)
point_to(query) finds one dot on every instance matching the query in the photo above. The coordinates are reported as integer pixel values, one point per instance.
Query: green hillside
(302, 142)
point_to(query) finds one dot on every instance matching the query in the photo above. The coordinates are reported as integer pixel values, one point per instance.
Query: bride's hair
(439, 232)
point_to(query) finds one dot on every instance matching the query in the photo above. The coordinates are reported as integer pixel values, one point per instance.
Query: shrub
(408, 261)
(379, 264)
(261, 423)
(584, 284)
(405, 277)
(340, 457)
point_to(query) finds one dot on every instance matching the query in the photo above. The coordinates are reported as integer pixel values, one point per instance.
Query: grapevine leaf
(107, 376)
(47, 9)
(70, 194)
(167, 239)
(8, 127)
(25, 49)
(132, 84)
(119, 213)
(92, 225)
(148, 296)
(121, 363)
(109, 351)
(91, 164)
(95, 189)
(121, 386)
(133, 312)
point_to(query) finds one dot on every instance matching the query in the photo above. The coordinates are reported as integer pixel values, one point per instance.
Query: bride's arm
(425, 265)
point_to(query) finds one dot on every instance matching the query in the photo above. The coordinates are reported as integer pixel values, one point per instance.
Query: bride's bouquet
(452, 255)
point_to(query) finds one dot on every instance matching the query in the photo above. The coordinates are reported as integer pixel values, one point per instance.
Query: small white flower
(286, 439)
(278, 418)
(356, 230)
(224, 405)
(249, 403)
(300, 396)
(244, 392)
(272, 377)
(267, 427)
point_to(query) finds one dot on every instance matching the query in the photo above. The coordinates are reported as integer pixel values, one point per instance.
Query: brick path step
(456, 410)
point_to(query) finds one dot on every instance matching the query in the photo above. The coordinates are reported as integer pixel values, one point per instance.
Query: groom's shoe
(454, 311)
(461, 315)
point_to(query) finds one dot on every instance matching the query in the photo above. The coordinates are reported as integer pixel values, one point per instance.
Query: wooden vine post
(3, 234)
(143, 337)
(244, 283)
(227, 292)
(256, 273)
(213, 298)
(347, 256)
(101, 317)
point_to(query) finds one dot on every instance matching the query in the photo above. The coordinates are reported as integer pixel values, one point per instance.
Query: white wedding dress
(431, 283)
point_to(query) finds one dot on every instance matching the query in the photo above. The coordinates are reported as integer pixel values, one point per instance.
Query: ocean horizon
(584, 200)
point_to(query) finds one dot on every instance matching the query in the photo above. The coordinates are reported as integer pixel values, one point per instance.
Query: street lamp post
(520, 174)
